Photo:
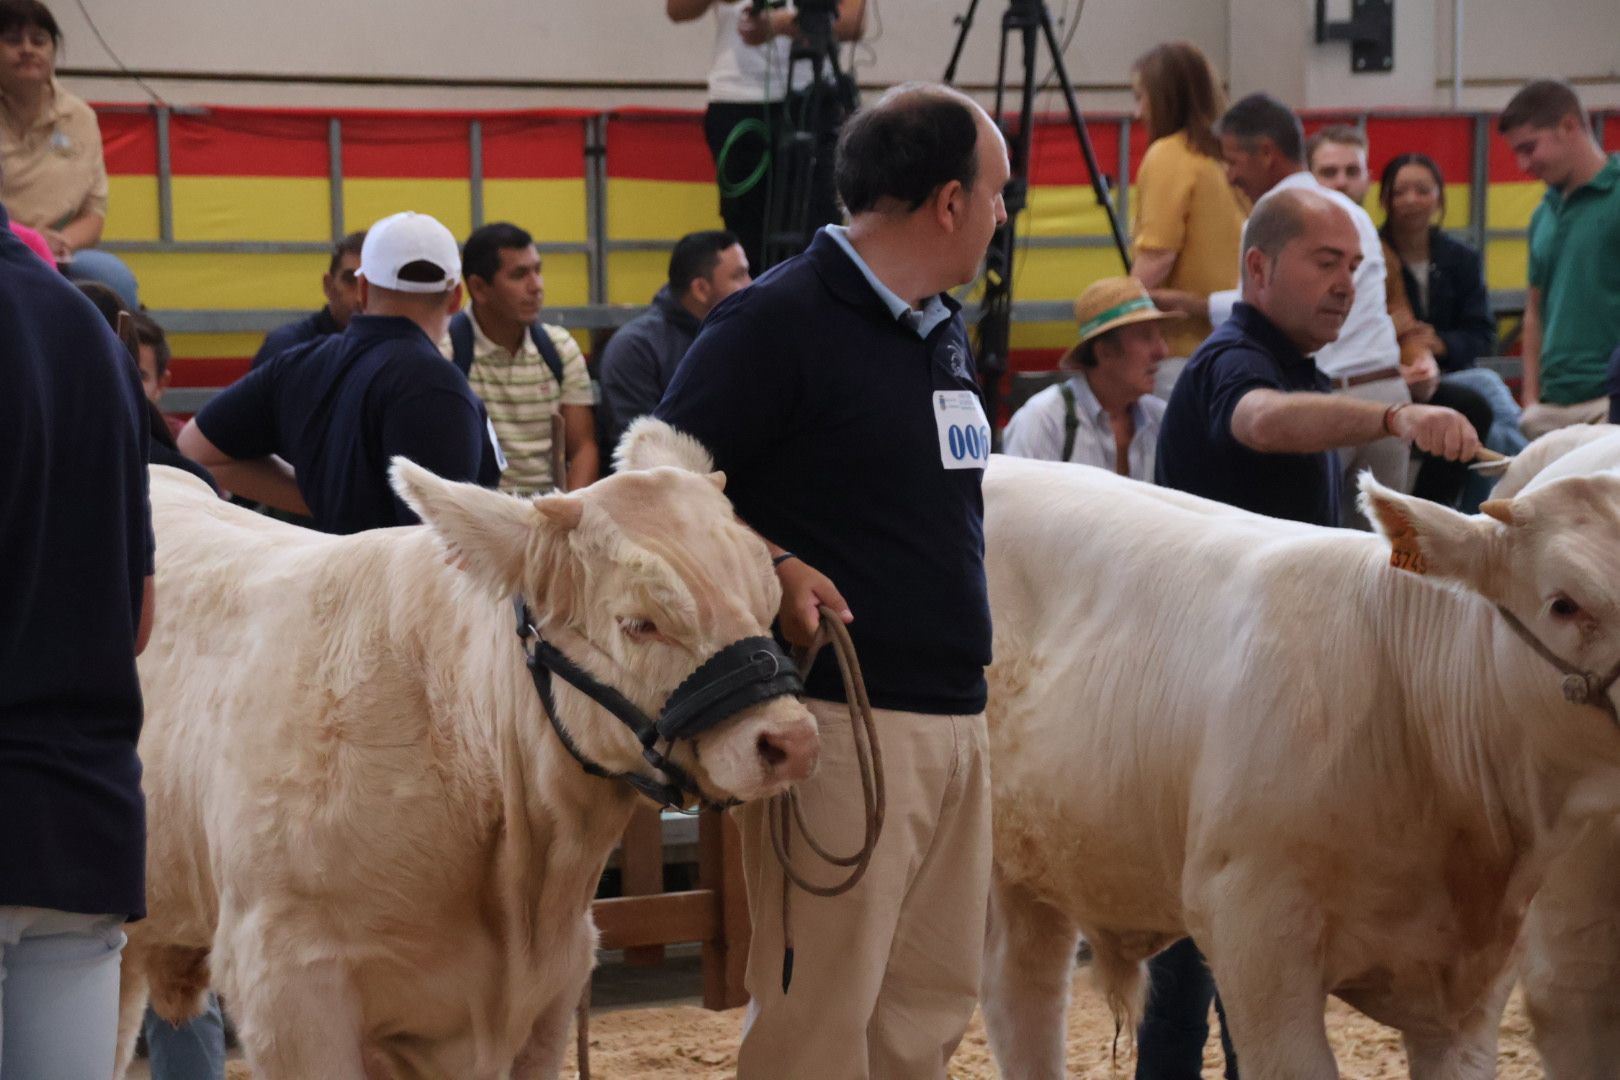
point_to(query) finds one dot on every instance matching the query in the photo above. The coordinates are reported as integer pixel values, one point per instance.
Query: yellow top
(54, 171)
(1185, 205)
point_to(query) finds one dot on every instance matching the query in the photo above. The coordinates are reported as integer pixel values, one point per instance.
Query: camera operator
(751, 101)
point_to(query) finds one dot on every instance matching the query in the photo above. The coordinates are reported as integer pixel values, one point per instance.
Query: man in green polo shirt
(1572, 312)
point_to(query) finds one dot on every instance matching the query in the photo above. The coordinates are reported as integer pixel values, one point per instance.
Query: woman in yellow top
(1189, 220)
(52, 174)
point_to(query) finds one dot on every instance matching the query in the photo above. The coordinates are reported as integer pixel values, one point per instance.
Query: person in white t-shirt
(750, 100)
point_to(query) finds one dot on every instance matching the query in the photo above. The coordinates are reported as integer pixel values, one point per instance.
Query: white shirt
(749, 74)
(1366, 342)
(1036, 430)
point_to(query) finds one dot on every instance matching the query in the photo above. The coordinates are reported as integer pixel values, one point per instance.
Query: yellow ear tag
(1405, 553)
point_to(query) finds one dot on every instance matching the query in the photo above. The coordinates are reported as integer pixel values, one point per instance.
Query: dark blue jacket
(282, 338)
(640, 360)
(1459, 304)
(75, 550)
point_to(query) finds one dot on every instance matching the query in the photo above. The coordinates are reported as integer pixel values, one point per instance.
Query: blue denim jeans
(193, 1051)
(1504, 435)
(58, 993)
(107, 268)
(1175, 1024)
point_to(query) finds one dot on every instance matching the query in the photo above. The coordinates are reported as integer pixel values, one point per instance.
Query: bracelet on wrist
(1389, 415)
(778, 560)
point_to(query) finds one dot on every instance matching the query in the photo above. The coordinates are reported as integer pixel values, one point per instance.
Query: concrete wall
(599, 53)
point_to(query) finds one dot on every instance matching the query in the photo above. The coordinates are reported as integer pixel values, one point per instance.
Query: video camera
(816, 18)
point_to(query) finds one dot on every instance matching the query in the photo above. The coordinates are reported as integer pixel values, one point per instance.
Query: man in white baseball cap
(313, 430)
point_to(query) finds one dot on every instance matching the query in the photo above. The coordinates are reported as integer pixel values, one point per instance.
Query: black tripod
(800, 176)
(1029, 18)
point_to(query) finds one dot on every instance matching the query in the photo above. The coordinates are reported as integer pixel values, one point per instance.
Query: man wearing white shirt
(1264, 150)
(1105, 414)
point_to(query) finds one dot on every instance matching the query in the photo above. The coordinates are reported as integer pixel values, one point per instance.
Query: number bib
(964, 433)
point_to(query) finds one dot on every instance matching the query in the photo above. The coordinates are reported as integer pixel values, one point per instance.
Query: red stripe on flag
(1055, 157)
(415, 147)
(129, 142)
(1449, 140)
(207, 371)
(531, 148)
(1611, 132)
(231, 142)
(653, 146)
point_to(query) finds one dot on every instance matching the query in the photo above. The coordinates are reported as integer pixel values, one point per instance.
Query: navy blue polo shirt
(75, 550)
(1197, 450)
(818, 404)
(319, 325)
(339, 408)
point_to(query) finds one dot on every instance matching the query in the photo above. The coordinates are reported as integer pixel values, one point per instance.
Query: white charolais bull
(1571, 966)
(1338, 776)
(359, 816)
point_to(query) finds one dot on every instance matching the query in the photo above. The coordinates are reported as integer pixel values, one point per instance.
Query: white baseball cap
(404, 238)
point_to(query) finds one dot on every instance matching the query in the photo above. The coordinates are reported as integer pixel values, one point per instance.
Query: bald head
(1300, 254)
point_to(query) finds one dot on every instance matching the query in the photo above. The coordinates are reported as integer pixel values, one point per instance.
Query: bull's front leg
(300, 1022)
(1469, 1053)
(1261, 937)
(542, 1056)
(1028, 965)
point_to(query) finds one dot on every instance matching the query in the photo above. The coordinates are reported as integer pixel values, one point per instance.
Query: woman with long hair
(1189, 220)
(1445, 283)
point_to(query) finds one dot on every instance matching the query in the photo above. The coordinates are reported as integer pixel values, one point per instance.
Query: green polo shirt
(1575, 262)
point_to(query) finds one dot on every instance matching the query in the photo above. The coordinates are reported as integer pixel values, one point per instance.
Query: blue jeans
(58, 993)
(107, 268)
(1504, 435)
(193, 1051)
(1175, 1025)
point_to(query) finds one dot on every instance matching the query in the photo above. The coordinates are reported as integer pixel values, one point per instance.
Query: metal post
(1123, 190)
(475, 169)
(1456, 53)
(334, 175)
(596, 207)
(165, 177)
(1479, 183)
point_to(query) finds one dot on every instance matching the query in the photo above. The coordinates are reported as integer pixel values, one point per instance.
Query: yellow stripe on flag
(252, 208)
(1509, 204)
(660, 209)
(368, 201)
(217, 280)
(552, 210)
(132, 208)
(211, 346)
(1505, 264)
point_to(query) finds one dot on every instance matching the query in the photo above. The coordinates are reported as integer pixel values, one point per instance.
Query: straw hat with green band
(1107, 305)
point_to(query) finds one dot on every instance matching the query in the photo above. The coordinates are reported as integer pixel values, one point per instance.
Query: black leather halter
(743, 673)
(1579, 687)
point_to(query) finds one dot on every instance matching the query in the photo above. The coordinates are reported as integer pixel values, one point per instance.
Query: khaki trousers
(886, 976)
(1542, 417)
(1388, 457)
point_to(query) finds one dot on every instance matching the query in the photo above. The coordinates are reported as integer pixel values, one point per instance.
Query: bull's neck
(1505, 750)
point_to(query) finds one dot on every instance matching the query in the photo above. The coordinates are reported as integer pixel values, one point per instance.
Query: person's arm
(685, 10)
(1034, 432)
(1530, 349)
(851, 22)
(1152, 267)
(1418, 365)
(804, 590)
(143, 633)
(1277, 422)
(267, 479)
(83, 231)
(579, 437)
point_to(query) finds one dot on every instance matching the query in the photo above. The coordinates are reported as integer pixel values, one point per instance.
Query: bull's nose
(790, 753)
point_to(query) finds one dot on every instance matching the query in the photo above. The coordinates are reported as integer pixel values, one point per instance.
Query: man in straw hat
(1105, 414)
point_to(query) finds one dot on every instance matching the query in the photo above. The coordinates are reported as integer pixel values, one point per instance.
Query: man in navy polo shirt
(341, 285)
(838, 396)
(313, 430)
(1252, 423)
(76, 601)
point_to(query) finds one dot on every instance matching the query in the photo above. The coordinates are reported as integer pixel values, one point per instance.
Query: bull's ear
(1427, 538)
(649, 443)
(484, 533)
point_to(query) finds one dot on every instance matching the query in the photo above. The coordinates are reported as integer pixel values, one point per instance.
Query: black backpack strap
(461, 341)
(1071, 422)
(548, 352)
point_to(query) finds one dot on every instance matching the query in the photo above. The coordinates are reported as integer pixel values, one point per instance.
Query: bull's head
(1549, 559)
(637, 579)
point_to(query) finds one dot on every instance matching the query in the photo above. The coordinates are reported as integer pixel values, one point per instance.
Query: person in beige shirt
(52, 174)
(1189, 220)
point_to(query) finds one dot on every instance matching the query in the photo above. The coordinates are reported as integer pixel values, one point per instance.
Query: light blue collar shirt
(922, 322)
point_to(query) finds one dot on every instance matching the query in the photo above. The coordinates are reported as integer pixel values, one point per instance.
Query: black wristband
(778, 560)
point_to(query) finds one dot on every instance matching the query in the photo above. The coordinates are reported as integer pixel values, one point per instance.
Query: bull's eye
(638, 629)
(1565, 608)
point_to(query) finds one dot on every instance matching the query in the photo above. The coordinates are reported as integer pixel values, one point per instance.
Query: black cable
(142, 83)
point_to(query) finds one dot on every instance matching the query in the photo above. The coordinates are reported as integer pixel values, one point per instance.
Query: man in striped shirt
(510, 372)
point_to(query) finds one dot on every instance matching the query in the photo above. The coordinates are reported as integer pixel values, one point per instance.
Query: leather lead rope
(1578, 687)
(784, 811)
